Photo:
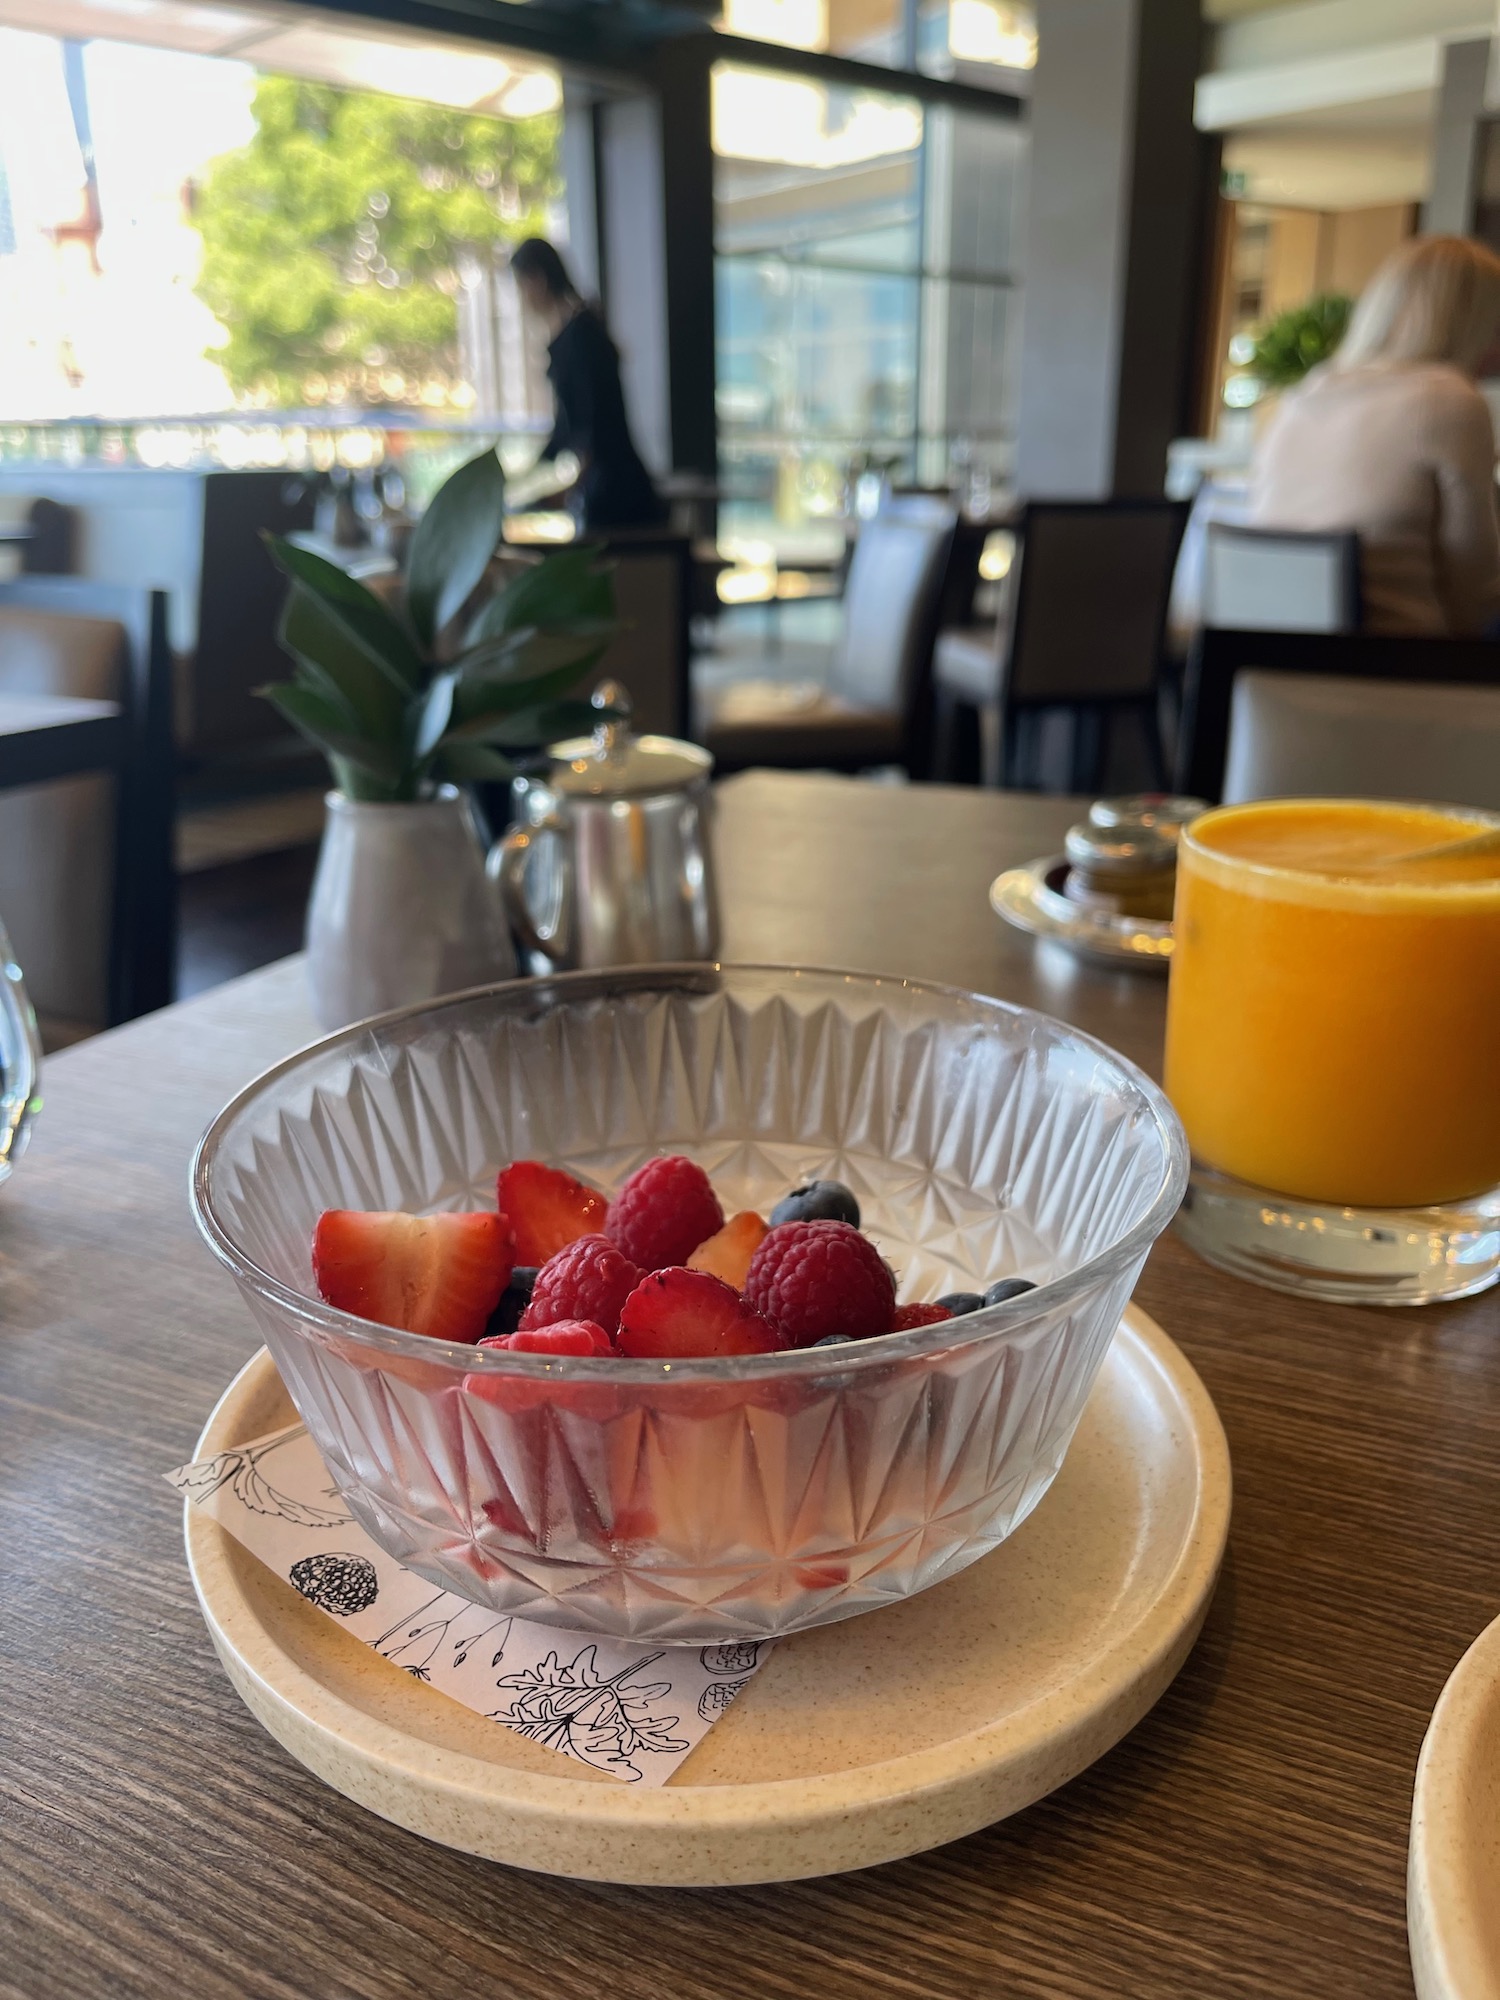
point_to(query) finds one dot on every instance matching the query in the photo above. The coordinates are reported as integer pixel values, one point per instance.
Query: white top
(1405, 456)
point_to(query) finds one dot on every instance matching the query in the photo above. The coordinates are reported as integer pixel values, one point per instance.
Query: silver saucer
(1032, 899)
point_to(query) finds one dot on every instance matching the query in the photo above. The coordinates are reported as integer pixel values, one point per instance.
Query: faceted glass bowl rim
(990, 1323)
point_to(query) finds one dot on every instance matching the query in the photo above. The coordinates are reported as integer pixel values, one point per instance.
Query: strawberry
(564, 1336)
(679, 1313)
(727, 1255)
(908, 1317)
(547, 1209)
(435, 1274)
(663, 1212)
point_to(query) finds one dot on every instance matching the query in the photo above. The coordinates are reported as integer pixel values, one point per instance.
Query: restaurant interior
(856, 643)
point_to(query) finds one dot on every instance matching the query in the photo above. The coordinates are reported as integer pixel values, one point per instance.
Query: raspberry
(588, 1280)
(812, 1279)
(663, 1212)
(908, 1317)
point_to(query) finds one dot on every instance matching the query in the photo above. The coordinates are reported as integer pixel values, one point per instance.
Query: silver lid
(613, 763)
(1164, 812)
(1142, 850)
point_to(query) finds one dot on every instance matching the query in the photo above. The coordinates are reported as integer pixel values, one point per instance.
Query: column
(1455, 138)
(1118, 181)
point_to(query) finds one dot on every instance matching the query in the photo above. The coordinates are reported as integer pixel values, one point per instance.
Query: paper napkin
(633, 1711)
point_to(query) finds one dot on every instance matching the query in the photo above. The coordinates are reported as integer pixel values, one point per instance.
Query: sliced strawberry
(680, 1313)
(547, 1209)
(435, 1274)
(563, 1336)
(908, 1317)
(727, 1255)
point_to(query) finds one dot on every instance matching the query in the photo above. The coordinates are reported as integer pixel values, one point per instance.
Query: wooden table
(1247, 1840)
(46, 736)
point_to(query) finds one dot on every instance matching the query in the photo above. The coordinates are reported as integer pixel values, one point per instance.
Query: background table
(45, 736)
(1247, 1840)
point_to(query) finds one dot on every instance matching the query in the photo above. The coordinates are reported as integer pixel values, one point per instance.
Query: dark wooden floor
(245, 914)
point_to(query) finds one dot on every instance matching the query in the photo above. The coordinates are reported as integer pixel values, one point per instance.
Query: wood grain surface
(1247, 1840)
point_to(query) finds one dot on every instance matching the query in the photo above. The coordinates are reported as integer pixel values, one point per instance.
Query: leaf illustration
(603, 1722)
(240, 1471)
(256, 1492)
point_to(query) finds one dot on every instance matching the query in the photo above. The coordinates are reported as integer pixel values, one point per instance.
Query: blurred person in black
(613, 489)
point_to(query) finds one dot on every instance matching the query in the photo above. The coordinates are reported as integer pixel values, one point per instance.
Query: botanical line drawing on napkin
(336, 1582)
(631, 1711)
(240, 1469)
(602, 1722)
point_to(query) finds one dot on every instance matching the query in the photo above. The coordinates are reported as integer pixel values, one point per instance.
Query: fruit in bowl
(674, 1394)
(705, 1288)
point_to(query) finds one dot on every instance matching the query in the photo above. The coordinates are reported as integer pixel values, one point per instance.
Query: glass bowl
(688, 1502)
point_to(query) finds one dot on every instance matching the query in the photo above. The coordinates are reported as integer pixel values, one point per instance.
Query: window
(865, 256)
(991, 43)
(212, 260)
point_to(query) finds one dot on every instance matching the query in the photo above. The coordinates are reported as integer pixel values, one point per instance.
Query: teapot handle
(507, 866)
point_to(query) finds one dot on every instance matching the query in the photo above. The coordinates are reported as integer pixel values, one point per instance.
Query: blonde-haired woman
(1392, 439)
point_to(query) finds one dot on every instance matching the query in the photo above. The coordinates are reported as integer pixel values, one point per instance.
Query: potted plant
(410, 700)
(1296, 341)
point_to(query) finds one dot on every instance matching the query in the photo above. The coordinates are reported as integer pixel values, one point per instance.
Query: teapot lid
(616, 763)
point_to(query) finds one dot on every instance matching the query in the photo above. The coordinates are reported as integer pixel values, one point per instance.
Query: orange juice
(1333, 1029)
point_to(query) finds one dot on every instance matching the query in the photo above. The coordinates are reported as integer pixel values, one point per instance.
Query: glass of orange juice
(1333, 1047)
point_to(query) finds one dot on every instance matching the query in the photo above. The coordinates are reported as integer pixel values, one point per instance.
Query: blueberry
(834, 1340)
(1007, 1288)
(817, 1201)
(513, 1301)
(959, 1303)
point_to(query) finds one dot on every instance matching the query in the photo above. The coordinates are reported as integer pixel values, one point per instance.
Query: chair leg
(1155, 724)
(944, 736)
(991, 745)
(1087, 748)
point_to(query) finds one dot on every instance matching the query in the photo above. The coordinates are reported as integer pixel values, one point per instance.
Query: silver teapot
(610, 861)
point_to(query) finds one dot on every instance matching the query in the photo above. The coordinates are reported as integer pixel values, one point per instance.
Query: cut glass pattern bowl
(703, 1500)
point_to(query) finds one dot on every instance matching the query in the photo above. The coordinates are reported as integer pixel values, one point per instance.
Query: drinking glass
(1331, 1048)
(20, 1061)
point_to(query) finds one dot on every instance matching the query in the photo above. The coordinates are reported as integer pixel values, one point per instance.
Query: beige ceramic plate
(856, 1743)
(1453, 1876)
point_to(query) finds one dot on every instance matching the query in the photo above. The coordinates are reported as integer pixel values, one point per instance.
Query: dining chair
(872, 706)
(1281, 714)
(1080, 633)
(86, 866)
(1277, 580)
(649, 655)
(1218, 498)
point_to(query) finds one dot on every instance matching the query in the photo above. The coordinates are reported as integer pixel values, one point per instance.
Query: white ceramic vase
(401, 908)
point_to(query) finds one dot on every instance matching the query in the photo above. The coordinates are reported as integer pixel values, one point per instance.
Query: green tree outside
(336, 242)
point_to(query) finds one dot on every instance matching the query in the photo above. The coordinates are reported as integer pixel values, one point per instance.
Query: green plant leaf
(527, 728)
(478, 705)
(434, 715)
(531, 651)
(358, 611)
(471, 763)
(320, 644)
(453, 542)
(564, 586)
(323, 722)
(1297, 340)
